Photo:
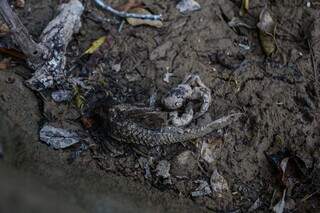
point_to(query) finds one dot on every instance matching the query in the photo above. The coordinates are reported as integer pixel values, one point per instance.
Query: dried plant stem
(124, 14)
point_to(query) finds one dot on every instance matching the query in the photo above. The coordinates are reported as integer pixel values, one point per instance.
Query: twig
(309, 196)
(124, 14)
(314, 62)
(20, 34)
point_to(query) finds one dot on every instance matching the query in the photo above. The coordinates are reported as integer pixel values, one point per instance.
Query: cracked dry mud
(278, 100)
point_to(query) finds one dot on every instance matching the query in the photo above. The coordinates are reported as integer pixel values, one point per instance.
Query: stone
(185, 165)
(188, 6)
(202, 190)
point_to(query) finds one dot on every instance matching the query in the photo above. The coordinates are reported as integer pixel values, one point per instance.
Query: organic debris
(267, 27)
(58, 138)
(210, 150)
(185, 165)
(129, 5)
(116, 67)
(163, 169)
(219, 185)
(160, 51)
(5, 64)
(290, 169)
(139, 21)
(279, 207)
(202, 190)
(12, 52)
(4, 29)
(244, 7)
(256, 205)
(76, 154)
(79, 99)
(96, 45)
(20, 3)
(125, 14)
(237, 22)
(167, 77)
(188, 6)
(145, 165)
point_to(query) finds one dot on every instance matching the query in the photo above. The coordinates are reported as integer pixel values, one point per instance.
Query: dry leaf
(129, 5)
(7, 49)
(279, 207)
(267, 28)
(244, 7)
(20, 3)
(87, 122)
(5, 64)
(4, 29)
(137, 22)
(95, 45)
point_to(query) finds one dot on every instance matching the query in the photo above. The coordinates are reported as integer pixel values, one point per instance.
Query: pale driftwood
(48, 57)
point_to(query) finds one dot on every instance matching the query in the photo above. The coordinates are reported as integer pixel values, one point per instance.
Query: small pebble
(167, 77)
(202, 190)
(116, 67)
(20, 3)
(219, 184)
(163, 169)
(309, 4)
(62, 96)
(257, 204)
(188, 6)
(145, 165)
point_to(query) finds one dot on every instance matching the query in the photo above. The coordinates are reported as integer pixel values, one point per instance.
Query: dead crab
(191, 88)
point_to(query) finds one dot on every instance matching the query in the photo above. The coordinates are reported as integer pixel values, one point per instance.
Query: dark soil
(279, 96)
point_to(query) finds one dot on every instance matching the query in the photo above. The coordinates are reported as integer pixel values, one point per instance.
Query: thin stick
(20, 34)
(314, 63)
(124, 14)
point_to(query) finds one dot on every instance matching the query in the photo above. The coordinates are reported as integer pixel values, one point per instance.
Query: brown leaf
(8, 49)
(4, 29)
(244, 7)
(290, 169)
(5, 64)
(267, 26)
(20, 3)
(87, 122)
(130, 5)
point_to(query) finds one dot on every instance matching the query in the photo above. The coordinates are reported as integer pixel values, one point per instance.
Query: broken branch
(48, 57)
(20, 34)
(124, 14)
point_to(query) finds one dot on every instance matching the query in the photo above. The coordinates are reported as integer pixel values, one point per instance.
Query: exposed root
(47, 57)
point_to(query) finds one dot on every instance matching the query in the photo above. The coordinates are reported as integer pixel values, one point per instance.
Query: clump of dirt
(279, 97)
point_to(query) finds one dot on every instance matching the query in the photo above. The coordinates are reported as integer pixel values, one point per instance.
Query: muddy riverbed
(279, 97)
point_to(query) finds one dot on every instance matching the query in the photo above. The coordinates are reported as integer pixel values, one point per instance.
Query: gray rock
(211, 150)
(257, 204)
(145, 165)
(188, 6)
(219, 185)
(58, 138)
(163, 169)
(62, 96)
(116, 67)
(185, 165)
(160, 51)
(202, 190)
